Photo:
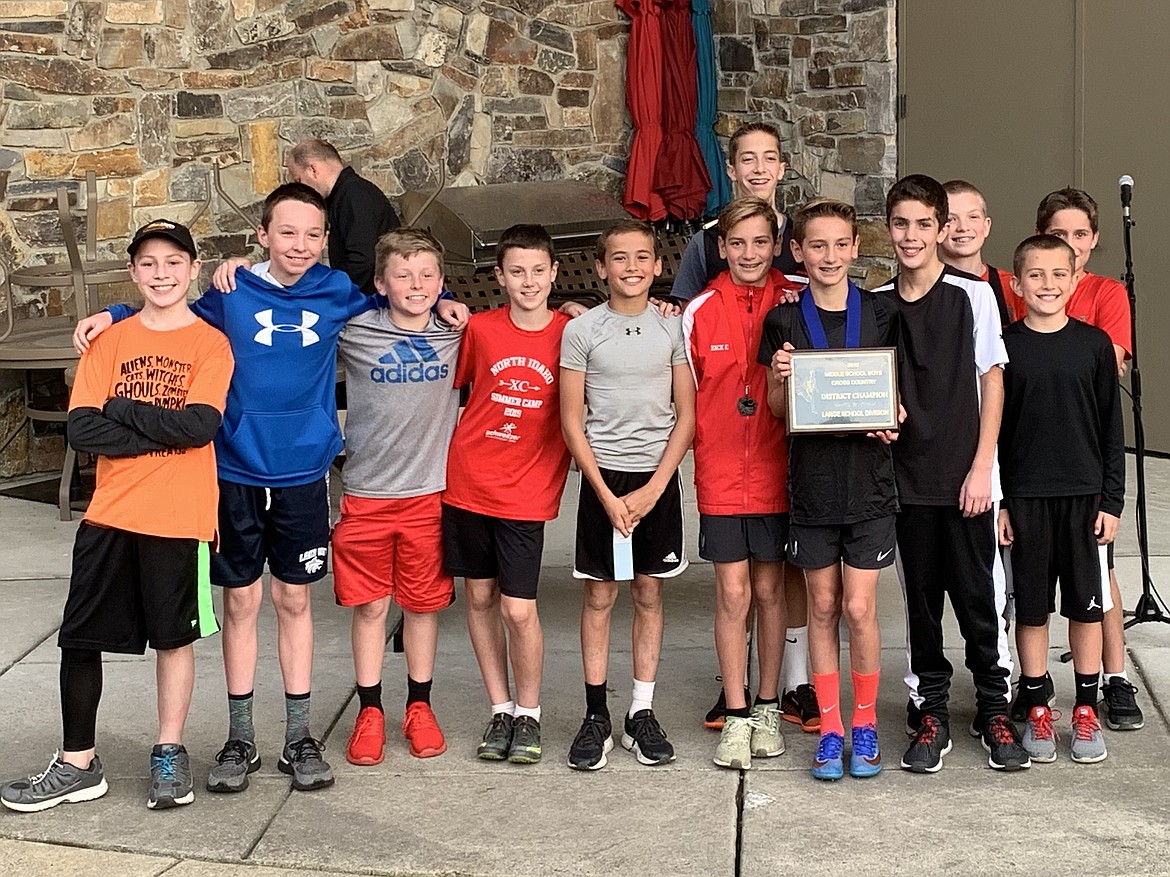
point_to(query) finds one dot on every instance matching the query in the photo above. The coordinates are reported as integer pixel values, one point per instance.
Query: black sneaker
(302, 760)
(645, 738)
(525, 748)
(497, 737)
(717, 715)
(931, 743)
(592, 743)
(171, 784)
(1002, 742)
(1120, 709)
(233, 763)
(800, 707)
(1019, 712)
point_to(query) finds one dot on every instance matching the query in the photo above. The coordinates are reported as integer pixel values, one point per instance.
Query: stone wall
(825, 72)
(150, 93)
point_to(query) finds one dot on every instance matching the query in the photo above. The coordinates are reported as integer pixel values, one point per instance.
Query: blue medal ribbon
(816, 331)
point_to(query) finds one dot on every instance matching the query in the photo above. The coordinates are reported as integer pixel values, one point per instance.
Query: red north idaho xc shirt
(508, 459)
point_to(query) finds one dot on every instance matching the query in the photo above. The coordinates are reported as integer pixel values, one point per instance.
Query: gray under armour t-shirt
(402, 406)
(627, 361)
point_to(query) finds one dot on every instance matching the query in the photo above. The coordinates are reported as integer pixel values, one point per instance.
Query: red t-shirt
(507, 458)
(1098, 301)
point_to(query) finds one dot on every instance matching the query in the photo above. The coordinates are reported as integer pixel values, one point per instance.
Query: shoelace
(235, 751)
(306, 749)
(1000, 730)
(865, 741)
(596, 730)
(167, 763)
(1042, 723)
(498, 723)
(647, 728)
(1085, 724)
(419, 717)
(929, 730)
(53, 762)
(830, 747)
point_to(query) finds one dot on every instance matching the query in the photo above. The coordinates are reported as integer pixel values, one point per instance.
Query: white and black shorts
(1053, 540)
(657, 539)
(477, 546)
(735, 538)
(861, 545)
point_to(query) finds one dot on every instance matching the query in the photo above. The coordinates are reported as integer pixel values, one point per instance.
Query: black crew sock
(418, 692)
(739, 712)
(766, 701)
(81, 691)
(595, 700)
(1087, 686)
(370, 695)
(1032, 692)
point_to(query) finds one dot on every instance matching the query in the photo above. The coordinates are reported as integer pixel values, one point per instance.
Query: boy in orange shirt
(148, 400)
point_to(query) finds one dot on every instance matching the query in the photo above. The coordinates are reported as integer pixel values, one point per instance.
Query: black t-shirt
(1061, 433)
(836, 479)
(950, 337)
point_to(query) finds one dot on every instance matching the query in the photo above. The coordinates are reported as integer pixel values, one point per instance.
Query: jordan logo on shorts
(1093, 604)
(313, 559)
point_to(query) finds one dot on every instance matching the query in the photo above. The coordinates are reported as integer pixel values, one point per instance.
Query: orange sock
(865, 686)
(828, 688)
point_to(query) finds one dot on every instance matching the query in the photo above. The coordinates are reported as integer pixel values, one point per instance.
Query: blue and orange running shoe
(827, 763)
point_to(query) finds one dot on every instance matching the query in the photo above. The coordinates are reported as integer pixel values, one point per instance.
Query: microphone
(1126, 183)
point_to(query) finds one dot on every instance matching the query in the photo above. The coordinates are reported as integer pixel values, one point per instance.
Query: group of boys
(622, 389)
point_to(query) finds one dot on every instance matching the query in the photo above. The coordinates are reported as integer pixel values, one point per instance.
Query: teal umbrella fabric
(720, 192)
(681, 176)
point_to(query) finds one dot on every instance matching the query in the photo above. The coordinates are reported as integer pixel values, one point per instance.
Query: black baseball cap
(163, 228)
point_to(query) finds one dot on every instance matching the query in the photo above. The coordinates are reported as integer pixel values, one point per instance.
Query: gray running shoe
(735, 743)
(233, 763)
(1040, 735)
(171, 784)
(525, 748)
(1088, 743)
(59, 783)
(302, 760)
(497, 738)
(767, 739)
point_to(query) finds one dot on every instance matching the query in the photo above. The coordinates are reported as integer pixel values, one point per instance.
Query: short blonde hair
(822, 208)
(746, 208)
(406, 242)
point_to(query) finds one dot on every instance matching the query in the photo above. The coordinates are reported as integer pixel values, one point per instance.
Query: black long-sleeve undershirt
(90, 431)
(190, 427)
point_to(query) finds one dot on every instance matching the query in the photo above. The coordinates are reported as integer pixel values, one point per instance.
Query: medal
(746, 406)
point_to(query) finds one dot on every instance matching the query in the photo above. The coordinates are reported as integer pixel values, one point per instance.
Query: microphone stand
(1148, 606)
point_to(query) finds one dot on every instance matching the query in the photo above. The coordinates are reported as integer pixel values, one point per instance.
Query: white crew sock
(794, 671)
(508, 708)
(531, 711)
(643, 698)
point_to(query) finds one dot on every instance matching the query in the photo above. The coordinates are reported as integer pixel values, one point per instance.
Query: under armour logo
(635, 330)
(308, 321)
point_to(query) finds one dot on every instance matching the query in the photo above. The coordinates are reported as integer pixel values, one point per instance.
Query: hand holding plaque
(842, 391)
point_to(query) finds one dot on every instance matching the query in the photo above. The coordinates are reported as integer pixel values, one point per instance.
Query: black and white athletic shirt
(950, 338)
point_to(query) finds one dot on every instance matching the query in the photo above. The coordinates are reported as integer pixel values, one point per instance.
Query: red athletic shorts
(391, 548)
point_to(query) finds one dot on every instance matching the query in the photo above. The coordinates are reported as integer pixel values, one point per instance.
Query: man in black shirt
(1063, 453)
(359, 212)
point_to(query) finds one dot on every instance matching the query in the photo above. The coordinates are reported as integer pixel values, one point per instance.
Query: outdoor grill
(469, 220)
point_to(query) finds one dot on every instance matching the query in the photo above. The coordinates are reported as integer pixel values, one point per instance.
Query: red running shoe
(422, 731)
(368, 740)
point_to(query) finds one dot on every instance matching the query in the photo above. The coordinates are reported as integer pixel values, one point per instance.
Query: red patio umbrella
(644, 98)
(681, 175)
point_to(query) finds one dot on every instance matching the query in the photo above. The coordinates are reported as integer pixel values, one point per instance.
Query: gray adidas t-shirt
(402, 406)
(627, 362)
